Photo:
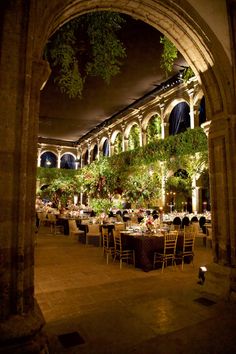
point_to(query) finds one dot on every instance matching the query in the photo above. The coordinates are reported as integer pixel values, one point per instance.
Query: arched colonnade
(162, 105)
(207, 41)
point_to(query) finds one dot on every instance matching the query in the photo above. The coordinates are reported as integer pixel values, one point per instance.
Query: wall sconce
(201, 275)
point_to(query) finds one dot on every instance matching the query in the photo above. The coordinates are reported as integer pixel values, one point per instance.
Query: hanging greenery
(168, 56)
(87, 45)
(187, 74)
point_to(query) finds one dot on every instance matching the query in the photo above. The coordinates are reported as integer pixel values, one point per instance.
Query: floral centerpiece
(148, 224)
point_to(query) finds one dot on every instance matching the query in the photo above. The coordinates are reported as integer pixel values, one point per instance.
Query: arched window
(179, 119)
(105, 148)
(95, 152)
(85, 158)
(68, 161)
(154, 128)
(118, 144)
(134, 140)
(48, 160)
(202, 111)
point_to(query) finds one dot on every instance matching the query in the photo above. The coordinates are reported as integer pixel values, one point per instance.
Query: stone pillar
(163, 133)
(112, 149)
(164, 129)
(98, 145)
(58, 157)
(89, 152)
(194, 195)
(39, 157)
(126, 144)
(109, 144)
(21, 321)
(222, 168)
(191, 108)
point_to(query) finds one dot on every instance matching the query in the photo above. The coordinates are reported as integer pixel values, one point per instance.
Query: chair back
(185, 221)
(117, 239)
(194, 219)
(189, 239)
(72, 226)
(105, 238)
(177, 220)
(94, 229)
(170, 241)
(52, 217)
(120, 226)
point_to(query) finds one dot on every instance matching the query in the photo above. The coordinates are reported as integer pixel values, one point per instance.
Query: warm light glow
(204, 269)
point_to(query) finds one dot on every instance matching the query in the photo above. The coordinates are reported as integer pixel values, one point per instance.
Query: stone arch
(68, 153)
(50, 160)
(94, 151)
(181, 24)
(179, 118)
(114, 135)
(185, 27)
(117, 145)
(129, 127)
(148, 116)
(170, 105)
(70, 163)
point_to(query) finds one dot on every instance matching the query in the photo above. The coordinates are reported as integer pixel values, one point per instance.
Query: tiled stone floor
(129, 311)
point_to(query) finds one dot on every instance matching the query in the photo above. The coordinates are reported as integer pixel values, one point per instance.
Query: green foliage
(136, 174)
(142, 186)
(134, 140)
(100, 205)
(118, 144)
(154, 128)
(106, 48)
(168, 56)
(87, 45)
(178, 184)
(187, 74)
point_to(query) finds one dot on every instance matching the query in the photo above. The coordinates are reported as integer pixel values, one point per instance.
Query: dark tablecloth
(145, 246)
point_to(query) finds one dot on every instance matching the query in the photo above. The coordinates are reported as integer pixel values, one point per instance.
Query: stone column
(58, 157)
(98, 145)
(39, 157)
(109, 144)
(164, 130)
(222, 168)
(191, 108)
(89, 152)
(194, 195)
(21, 321)
(163, 133)
(143, 136)
(112, 149)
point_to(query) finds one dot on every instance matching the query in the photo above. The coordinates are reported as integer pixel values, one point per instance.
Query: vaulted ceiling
(67, 119)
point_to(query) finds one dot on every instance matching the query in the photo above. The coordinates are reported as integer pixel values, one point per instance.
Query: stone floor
(129, 311)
